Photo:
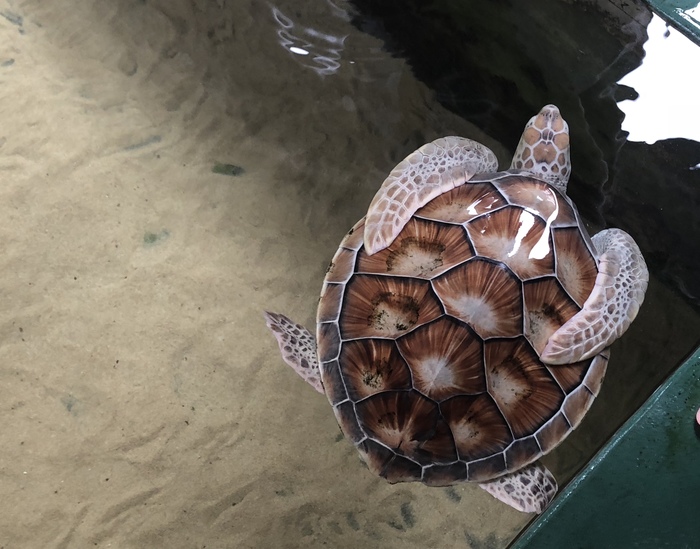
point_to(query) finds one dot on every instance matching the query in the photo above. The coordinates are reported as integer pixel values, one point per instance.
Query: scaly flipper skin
(613, 304)
(433, 169)
(543, 150)
(298, 347)
(528, 490)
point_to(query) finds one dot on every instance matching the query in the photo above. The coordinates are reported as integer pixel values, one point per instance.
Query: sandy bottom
(168, 169)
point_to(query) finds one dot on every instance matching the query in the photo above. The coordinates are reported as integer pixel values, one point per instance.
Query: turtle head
(544, 148)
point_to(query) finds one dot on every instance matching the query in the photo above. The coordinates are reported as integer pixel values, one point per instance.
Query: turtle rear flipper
(528, 490)
(298, 347)
(610, 308)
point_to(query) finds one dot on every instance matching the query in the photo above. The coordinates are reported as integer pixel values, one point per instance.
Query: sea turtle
(463, 326)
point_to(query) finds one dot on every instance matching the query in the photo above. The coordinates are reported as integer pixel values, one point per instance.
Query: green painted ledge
(642, 490)
(682, 14)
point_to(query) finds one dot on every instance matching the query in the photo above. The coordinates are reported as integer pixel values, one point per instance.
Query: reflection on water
(668, 88)
(322, 49)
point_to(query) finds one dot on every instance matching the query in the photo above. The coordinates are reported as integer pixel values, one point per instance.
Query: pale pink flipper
(433, 169)
(617, 295)
(298, 347)
(528, 490)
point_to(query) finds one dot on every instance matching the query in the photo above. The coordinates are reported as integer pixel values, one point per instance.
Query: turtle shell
(429, 349)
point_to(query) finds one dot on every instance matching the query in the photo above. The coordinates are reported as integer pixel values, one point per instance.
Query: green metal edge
(682, 14)
(642, 490)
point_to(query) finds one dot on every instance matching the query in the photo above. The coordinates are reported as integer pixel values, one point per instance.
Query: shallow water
(170, 169)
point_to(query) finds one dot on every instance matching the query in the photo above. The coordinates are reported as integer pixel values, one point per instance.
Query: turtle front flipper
(612, 306)
(528, 490)
(433, 169)
(298, 347)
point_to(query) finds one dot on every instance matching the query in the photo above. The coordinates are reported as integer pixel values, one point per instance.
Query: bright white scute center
(476, 313)
(435, 373)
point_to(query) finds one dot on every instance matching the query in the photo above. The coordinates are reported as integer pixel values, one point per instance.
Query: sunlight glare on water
(667, 81)
(324, 48)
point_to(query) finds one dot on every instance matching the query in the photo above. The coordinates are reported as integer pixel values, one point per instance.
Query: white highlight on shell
(541, 249)
(527, 221)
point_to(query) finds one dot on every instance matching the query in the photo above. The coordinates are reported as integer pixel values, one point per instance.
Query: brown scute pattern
(328, 341)
(330, 303)
(431, 361)
(376, 456)
(520, 384)
(463, 203)
(576, 267)
(332, 382)
(487, 468)
(596, 372)
(478, 427)
(341, 266)
(370, 366)
(445, 475)
(547, 308)
(385, 463)
(386, 307)
(401, 469)
(445, 358)
(569, 376)
(423, 249)
(347, 419)
(539, 198)
(523, 450)
(355, 237)
(576, 405)
(553, 432)
(485, 295)
(515, 237)
(408, 423)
